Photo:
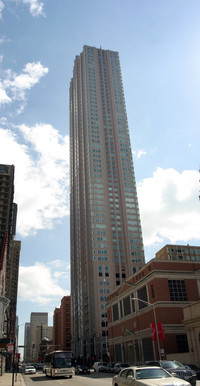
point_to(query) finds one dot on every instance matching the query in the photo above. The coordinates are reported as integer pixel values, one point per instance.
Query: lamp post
(155, 319)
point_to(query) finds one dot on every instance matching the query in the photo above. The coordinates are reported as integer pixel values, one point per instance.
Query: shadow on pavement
(43, 378)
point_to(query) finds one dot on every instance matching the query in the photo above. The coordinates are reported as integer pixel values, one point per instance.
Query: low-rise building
(151, 303)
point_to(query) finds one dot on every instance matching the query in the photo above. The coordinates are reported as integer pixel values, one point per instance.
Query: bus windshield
(61, 360)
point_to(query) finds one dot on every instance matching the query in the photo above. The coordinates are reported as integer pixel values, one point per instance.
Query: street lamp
(154, 313)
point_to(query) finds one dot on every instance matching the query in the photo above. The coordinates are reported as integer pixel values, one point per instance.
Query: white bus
(58, 364)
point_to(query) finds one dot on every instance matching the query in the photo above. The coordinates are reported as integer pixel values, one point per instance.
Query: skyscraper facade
(27, 342)
(106, 237)
(9, 253)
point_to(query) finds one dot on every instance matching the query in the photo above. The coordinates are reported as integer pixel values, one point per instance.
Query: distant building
(57, 328)
(46, 345)
(62, 325)
(35, 331)
(106, 236)
(179, 252)
(160, 292)
(27, 342)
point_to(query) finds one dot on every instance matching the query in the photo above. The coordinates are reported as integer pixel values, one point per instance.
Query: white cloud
(41, 175)
(14, 87)
(31, 75)
(4, 39)
(36, 7)
(59, 264)
(3, 121)
(59, 275)
(56, 263)
(38, 285)
(4, 98)
(17, 85)
(1, 8)
(139, 153)
(169, 206)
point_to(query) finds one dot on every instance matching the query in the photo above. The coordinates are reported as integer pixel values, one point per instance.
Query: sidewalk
(6, 380)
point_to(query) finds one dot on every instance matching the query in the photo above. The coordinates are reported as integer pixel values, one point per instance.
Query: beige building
(179, 253)
(106, 235)
(191, 322)
(35, 331)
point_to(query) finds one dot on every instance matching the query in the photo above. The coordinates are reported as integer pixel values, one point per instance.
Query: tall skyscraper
(9, 253)
(106, 237)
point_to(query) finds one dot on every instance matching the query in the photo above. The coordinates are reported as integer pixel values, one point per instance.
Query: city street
(93, 379)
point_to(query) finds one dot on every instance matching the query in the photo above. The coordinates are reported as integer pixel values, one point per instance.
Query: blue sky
(158, 43)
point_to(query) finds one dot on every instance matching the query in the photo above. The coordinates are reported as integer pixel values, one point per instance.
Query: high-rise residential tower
(106, 237)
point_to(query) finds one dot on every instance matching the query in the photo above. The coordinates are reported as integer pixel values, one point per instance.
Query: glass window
(133, 303)
(127, 306)
(115, 312)
(100, 270)
(142, 294)
(121, 309)
(152, 291)
(177, 290)
(182, 343)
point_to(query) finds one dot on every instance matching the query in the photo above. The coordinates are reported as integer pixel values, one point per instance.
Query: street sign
(10, 347)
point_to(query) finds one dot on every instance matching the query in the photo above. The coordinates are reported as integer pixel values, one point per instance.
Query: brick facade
(165, 287)
(62, 325)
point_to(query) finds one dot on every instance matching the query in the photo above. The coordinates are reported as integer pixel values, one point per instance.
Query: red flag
(161, 331)
(153, 331)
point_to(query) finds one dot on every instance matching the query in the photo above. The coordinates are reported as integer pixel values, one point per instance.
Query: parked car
(39, 366)
(99, 366)
(82, 369)
(30, 370)
(177, 369)
(141, 375)
(110, 368)
(119, 366)
(195, 368)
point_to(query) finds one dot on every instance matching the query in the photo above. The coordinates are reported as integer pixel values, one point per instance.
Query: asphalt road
(94, 379)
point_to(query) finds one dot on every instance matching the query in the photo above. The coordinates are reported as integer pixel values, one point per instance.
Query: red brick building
(62, 325)
(165, 286)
